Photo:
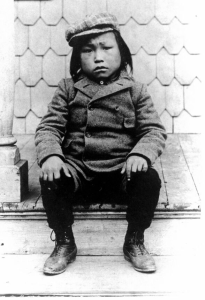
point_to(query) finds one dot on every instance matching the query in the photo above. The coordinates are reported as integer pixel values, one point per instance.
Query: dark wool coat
(100, 125)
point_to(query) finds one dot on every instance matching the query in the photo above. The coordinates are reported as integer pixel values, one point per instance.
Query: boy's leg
(58, 197)
(143, 194)
(57, 200)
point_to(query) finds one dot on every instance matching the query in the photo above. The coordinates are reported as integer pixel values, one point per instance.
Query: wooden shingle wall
(163, 36)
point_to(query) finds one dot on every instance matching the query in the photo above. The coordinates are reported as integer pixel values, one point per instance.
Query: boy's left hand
(134, 164)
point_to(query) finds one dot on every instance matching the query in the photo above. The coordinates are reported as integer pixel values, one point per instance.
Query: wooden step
(100, 268)
(94, 276)
(101, 237)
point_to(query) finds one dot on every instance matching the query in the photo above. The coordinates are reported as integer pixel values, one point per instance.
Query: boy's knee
(48, 186)
(145, 181)
(62, 183)
(152, 176)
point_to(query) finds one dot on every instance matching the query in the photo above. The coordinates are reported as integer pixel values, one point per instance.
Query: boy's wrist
(45, 158)
(140, 155)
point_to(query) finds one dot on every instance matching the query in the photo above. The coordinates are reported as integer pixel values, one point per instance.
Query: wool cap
(99, 23)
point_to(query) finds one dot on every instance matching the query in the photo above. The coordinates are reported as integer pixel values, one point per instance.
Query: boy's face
(100, 57)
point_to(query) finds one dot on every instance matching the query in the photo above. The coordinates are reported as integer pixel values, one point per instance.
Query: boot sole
(49, 272)
(127, 258)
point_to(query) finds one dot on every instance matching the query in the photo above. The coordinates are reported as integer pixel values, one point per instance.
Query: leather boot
(136, 253)
(64, 252)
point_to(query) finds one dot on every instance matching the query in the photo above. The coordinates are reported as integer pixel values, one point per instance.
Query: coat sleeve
(51, 130)
(150, 133)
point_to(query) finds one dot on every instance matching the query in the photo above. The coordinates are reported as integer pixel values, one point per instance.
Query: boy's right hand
(52, 167)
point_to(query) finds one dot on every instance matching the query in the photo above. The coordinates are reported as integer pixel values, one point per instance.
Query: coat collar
(96, 91)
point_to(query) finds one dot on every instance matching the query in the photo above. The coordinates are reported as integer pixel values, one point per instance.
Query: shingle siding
(163, 36)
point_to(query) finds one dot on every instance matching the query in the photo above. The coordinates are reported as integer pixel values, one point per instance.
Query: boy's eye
(86, 50)
(107, 48)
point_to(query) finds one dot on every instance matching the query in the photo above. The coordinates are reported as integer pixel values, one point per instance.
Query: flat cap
(99, 23)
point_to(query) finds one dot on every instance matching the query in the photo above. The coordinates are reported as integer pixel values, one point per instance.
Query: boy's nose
(98, 56)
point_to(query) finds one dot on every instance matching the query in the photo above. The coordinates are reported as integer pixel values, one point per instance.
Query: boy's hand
(52, 167)
(134, 164)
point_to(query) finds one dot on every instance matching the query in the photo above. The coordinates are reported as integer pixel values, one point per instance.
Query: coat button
(88, 135)
(101, 82)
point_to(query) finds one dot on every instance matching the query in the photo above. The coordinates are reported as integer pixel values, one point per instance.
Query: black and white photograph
(101, 128)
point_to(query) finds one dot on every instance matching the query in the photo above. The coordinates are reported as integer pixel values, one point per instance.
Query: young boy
(101, 133)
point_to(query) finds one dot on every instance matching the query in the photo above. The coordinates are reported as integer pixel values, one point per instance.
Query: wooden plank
(29, 152)
(163, 201)
(191, 143)
(34, 185)
(96, 215)
(105, 208)
(17, 206)
(181, 190)
(102, 276)
(23, 139)
(101, 237)
(192, 149)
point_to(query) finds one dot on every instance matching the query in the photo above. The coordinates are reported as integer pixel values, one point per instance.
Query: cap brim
(75, 38)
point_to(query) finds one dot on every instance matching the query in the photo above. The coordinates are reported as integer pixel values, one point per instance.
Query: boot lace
(140, 249)
(58, 250)
(59, 245)
(62, 236)
(138, 244)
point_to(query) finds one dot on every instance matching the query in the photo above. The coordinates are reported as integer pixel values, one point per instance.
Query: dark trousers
(140, 194)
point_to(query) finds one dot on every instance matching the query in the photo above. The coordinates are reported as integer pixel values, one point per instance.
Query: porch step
(100, 268)
(101, 237)
(175, 278)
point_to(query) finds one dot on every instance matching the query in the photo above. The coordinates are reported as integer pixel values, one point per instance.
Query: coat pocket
(129, 122)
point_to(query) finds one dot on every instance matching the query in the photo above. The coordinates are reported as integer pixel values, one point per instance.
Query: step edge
(100, 215)
(99, 294)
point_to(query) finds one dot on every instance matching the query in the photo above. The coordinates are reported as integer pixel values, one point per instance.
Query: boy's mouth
(100, 69)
